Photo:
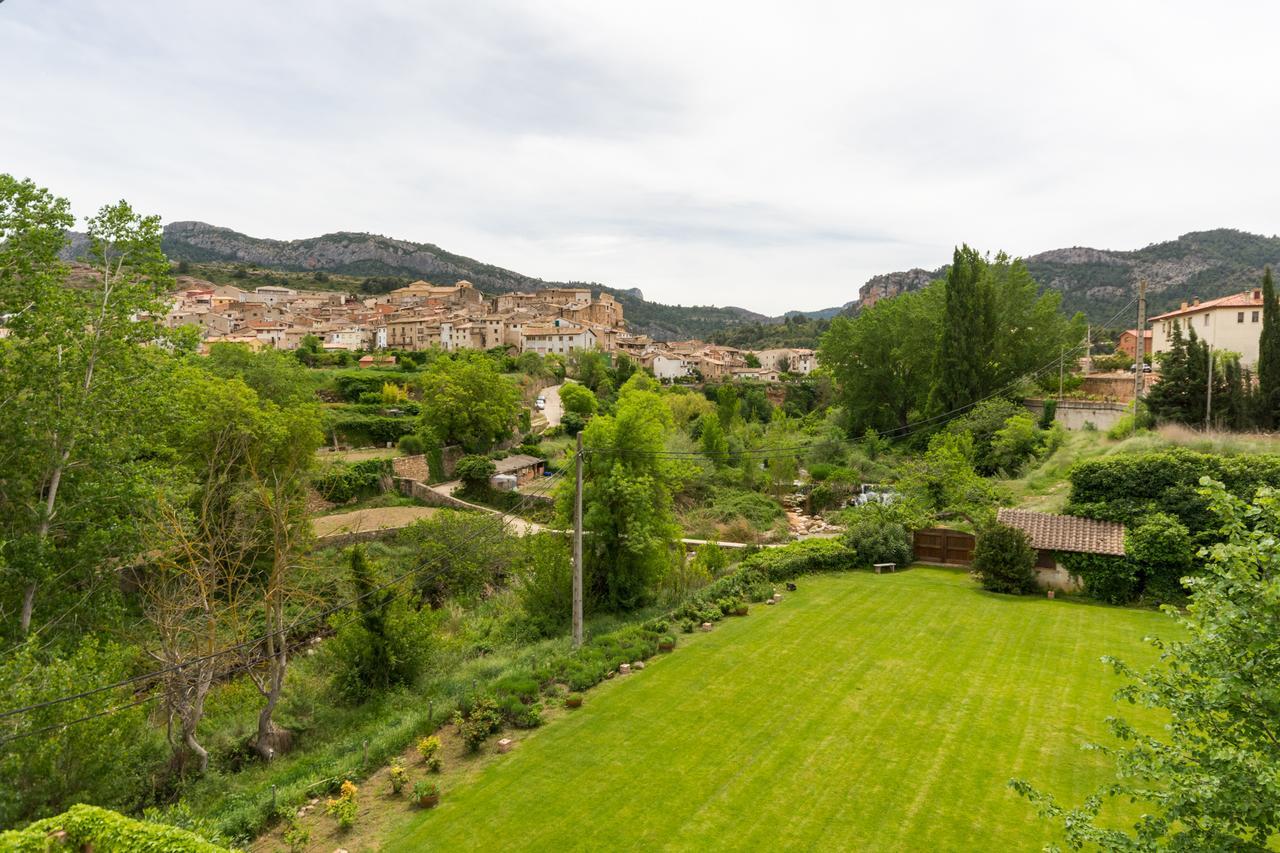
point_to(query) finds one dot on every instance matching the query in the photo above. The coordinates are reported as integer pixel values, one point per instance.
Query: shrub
(412, 444)
(544, 583)
(1004, 560)
(578, 399)
(798, 558)
(572, 423)
(573, 700)
(480, 721)
(399, 776)
(339, 482)
(344, 807)
(424, 788)
(872, 541)
(1161, 550)
(429, 749)
(297, 837)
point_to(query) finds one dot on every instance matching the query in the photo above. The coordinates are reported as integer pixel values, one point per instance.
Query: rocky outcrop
(893, 283)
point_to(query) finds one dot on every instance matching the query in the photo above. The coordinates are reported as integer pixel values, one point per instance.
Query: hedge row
(1128, 487)
(90, 827)
(359, 429)
(340, 482)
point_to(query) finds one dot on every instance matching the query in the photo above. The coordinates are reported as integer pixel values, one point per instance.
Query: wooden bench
(886, 567)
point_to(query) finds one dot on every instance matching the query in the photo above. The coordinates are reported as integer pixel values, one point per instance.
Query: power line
(503, 520)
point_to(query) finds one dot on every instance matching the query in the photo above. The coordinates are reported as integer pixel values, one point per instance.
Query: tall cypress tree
(963, 348)
(1269, 355)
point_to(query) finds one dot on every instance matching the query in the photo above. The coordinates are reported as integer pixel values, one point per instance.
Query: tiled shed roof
(1066, 532)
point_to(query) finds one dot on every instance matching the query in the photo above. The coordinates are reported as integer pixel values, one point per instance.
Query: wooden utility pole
(1140, 350)
(1062, 358)
(577, 551)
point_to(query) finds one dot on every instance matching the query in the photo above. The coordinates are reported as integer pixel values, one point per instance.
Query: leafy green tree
(475, 471)
(75, 392)
(943, 482)
(272, 374)
(627, 498)
(712, 440)
(104, 760)
(1004, 560)
(1269, 355)
(883, 359)
(468, 402)
(727, 405)
(578, 399)
(544, 583)
(466, 552)
(384, 646)
(1206, 780)
(591, 368)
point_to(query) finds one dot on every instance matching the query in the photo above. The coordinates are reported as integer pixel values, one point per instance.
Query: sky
(772, 156)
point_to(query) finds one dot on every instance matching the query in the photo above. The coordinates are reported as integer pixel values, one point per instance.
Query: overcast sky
(772, 156)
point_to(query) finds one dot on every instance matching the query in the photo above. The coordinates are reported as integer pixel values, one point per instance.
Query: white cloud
(773, 156)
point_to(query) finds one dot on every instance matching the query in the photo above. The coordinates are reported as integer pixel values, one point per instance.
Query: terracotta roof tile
(1066, 532)
(1235, 300)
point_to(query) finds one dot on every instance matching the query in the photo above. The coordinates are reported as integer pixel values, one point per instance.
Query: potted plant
(740, 609)
(573, 700)
(667, 643)
(426, 793)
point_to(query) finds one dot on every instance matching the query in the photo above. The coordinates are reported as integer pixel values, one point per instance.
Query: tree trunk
(28, 603)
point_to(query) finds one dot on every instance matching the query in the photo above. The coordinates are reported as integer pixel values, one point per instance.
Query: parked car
(540, 403)
(1146, 368)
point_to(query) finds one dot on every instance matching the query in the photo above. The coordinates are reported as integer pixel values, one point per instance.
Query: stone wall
(1074, 414)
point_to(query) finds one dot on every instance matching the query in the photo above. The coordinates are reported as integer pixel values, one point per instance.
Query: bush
(798, 558)
(412, 444)
(478, 723)
(1004, 560)
(572, 423)
(578, 399)
(344, 807)
(1161, 550)
(399, 776)
(429, 748)
(340, 482)
(872, 541)
(544, 583)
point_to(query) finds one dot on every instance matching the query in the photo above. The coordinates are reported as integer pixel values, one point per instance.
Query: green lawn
(865, 712)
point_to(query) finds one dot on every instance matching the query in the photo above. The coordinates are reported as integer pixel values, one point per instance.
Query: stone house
(1231, 323)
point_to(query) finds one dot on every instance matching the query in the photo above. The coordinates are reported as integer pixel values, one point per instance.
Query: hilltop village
(422, 316)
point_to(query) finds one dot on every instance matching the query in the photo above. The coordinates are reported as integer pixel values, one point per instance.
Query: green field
(865, 712)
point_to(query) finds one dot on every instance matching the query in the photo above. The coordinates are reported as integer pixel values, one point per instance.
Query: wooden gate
(944, 547)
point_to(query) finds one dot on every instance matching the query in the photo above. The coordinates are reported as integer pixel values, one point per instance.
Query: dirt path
(360, 520)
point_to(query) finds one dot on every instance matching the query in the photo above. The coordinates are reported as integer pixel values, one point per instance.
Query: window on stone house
(1240, 317)
(1206, 319)
(1255, 316)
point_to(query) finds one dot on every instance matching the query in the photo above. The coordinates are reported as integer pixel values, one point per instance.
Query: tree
(627, 497)
(712, 440)
(272, 374)
(468, 402)
(727, 405)
(1269, 355)
(578, 399)
(591, 368)
(1207, 781)
(1004, 560)
(468, 552)
(883, 359)
(384, 645)
(959, 374)
(943, 482)
(475, 471)
(74, 389)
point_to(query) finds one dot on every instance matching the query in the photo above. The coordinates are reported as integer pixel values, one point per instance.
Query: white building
(559, 337)
(351, 338)
(1231, 323)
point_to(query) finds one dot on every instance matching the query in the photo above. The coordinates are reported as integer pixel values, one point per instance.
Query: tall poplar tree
(959, 370)
(1269, 355)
